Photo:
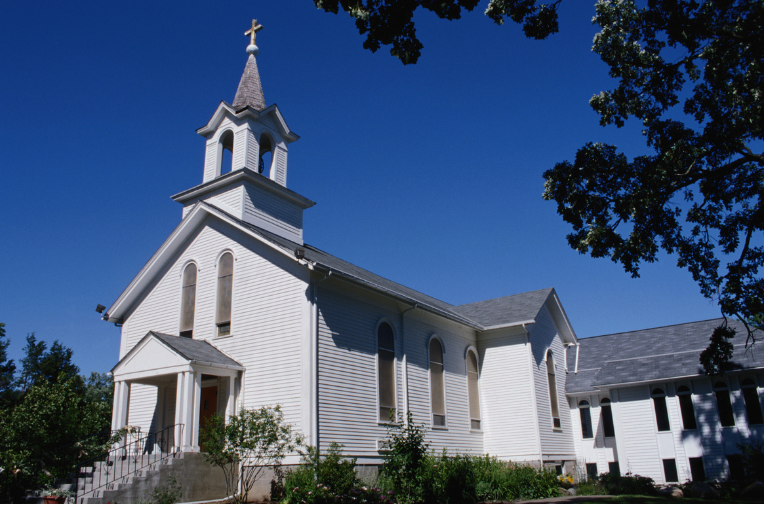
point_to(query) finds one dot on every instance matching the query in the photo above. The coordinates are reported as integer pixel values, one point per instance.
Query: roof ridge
(506, 296)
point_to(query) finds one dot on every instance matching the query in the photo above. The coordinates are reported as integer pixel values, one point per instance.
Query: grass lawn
(633, 498)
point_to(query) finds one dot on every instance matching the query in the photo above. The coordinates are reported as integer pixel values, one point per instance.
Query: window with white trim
(661, 412)
(723, 404)
(225, 292)
(552, 383)
(606, 413)
(688, 410)
(473, 389)
(386, 371)
(188, 301)
(586, 419)
(437, 384)
(752, 403)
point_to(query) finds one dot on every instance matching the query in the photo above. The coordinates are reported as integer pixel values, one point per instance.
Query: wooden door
(208, 406)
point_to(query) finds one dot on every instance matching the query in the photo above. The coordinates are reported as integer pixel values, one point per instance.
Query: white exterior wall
(600, 450)
(229, 199)
(272, 213)
(269, 323)
(556, 444)
(348, 405)
(507, 396)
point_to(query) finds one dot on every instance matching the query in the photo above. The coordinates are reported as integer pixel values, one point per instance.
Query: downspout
(314, 320)
(405, 365)
(578, 348)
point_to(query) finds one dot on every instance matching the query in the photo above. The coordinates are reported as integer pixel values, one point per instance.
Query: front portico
(191, 376)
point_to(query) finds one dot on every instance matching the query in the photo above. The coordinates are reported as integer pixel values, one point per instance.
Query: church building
(235, 310)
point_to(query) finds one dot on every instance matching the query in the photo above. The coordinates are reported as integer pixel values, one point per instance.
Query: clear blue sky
(430, 175)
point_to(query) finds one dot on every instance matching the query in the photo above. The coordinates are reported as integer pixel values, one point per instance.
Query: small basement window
(669, 470)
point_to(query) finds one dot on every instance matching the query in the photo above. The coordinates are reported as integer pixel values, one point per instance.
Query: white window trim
(385, 422)
(471, 348)
(437, 337)
(180, 282)
(215, 334)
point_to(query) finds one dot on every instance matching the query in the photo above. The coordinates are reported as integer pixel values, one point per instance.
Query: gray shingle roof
(506, 310)
(250, 91)
(196, 350)
(652, 354)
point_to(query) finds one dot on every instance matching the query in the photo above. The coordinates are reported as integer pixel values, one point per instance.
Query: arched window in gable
(606, 412)
(752, 403)
(188, 301)
(552, 382)
(437, 384)
(661, 412)
(473, 389)
(586, 419)
(386, 370)
(687, 408)
(225, 292)
(723, 403)
(225, 153)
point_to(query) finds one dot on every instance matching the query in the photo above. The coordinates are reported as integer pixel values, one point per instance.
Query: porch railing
(134, 452)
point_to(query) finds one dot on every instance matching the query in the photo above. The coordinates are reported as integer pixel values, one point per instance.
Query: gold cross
(252, 32)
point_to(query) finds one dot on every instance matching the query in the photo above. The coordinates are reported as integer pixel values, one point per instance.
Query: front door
(209, 406)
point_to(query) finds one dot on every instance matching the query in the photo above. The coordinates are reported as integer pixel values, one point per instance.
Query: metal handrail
(127, 457)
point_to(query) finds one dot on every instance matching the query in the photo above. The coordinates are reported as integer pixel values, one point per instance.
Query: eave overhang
(248, 112)
(243, 174)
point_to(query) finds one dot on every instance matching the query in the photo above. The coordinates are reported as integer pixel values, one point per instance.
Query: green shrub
(170, 493)
(407, 454)
(329, 478)
(627, 484)
(753, 460)
(449, 479)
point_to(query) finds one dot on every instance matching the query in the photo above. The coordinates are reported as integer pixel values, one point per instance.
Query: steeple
(250, 91)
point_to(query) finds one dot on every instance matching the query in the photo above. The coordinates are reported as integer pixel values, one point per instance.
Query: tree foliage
(390, 22)
(246, 445)
(698, 194)
(7, 371)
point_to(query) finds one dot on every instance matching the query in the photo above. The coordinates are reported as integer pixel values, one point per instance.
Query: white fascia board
(216, 118)
(224, 108)
(274, 111)
(508, 325)
(561, 319)
(187, 226)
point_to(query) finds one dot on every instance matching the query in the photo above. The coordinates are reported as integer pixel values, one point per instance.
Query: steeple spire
(250, 91)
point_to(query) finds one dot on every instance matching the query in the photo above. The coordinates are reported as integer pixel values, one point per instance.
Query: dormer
(245, 163)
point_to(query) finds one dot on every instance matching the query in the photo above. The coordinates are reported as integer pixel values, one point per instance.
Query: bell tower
(249, 183)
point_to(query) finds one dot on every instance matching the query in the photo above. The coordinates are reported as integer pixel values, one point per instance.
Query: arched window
(723, 403)
(473, 389)
(437, 384)
(586, 419)
(752, 403)
(606, 412)
(225, 290)
(661, 412)
(225, 153)
(685, 405)
(188, 301)
(552, 382)
(266, 155)
(386, 370)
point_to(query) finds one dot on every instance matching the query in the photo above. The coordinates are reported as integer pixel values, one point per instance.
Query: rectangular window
(586, 422)
(737, 470)
(607, 421)
(697, 469)
(661, 413)
(752, 405)
(614, 468)
(726, 417)
(688, 412)
(591, 470)
(386, 383)
(669, 470)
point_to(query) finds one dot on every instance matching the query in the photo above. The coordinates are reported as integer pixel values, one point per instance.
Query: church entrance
(208, 407)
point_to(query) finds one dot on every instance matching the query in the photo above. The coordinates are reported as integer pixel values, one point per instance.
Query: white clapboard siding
(637, 421)
(543, 336)
(675, 421)
(275, 214)
(457, 437)
(506, 397)
(268, 314)
(710, 426)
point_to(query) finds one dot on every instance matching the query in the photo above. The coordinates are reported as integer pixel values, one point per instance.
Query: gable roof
(508, 309)
(323, 261)
(193, 351)
(652, 354)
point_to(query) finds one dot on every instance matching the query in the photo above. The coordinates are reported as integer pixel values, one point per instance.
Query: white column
(197, 409)
(231, 406)
(117, 403)
(177, 442)
(188, 412)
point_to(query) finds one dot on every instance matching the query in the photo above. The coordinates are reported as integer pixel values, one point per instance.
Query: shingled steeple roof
(250, 92)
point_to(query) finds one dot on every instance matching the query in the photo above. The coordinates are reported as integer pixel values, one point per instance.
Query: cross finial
(252, 32)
